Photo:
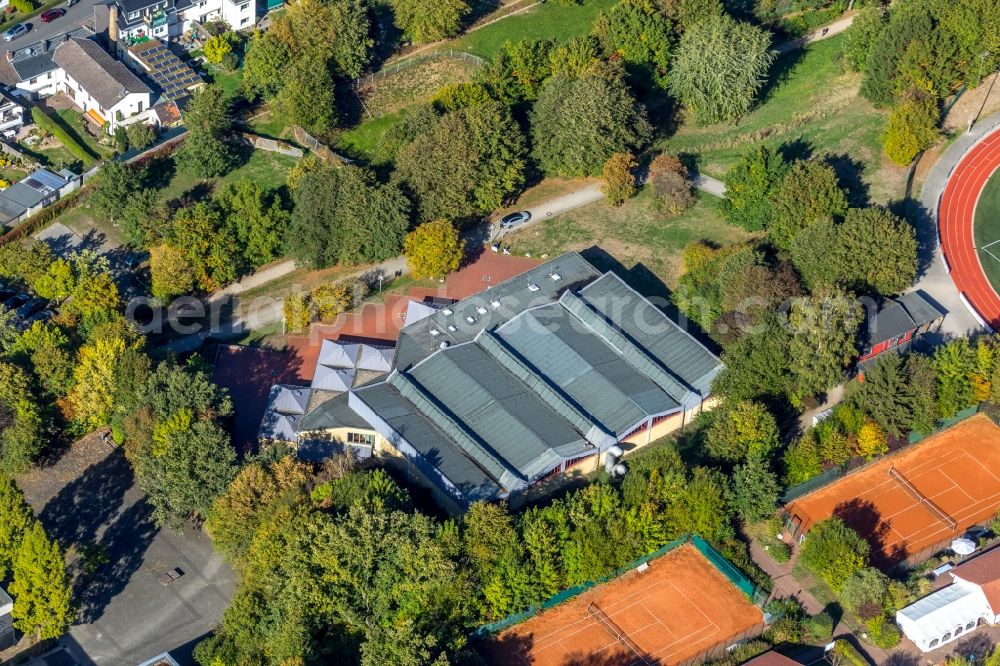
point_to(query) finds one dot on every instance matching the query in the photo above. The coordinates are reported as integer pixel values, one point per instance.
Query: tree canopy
(434, 249)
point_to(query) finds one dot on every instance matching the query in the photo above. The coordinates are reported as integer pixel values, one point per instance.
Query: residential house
(29, 72)
(29, 195)
(946, 615)
(103, 87)
(135, 20)
(505, 394)
(11, 113)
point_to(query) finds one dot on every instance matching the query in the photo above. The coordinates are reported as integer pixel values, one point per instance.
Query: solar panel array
(169, 73)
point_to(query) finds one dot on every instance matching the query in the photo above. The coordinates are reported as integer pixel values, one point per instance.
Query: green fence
(734, 575)
(834, 473)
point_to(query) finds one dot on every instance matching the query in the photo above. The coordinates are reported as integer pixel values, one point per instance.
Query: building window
(245, 6)
(139, 108)
(932, 643)
(244, 21)
(971, 625)
(359, 438)
(946, 637)
(958, 631)
(133, 15)
(33, 81)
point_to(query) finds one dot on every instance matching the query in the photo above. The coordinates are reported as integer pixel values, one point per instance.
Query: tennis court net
(922, 499)
(601, 617)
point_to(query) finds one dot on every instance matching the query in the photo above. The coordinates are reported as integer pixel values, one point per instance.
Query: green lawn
(987, 229)
(74, 122)
(363, 141)
(267, 169)
(272, 125)
(813, 103)
(633, 234)
(550, 20)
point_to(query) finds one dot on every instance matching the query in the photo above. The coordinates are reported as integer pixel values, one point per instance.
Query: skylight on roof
(451, 327)
(435, 332)
(470, 319)
(481, 310)
(533, 287)
(448, 311)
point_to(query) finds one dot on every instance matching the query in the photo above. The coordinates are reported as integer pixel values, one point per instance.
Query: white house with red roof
(973, 599)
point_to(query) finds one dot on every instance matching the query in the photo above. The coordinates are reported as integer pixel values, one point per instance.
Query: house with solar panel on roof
(506, 394)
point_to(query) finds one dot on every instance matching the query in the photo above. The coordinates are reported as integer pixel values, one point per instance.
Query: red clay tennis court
(917, 498)
(677, 608)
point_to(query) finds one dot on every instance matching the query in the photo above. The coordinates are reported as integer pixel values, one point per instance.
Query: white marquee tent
(944, 615)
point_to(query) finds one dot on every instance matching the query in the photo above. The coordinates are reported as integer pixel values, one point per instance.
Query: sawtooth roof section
(288, 399)
(332, 414)
(493, 307)
(376, 359)
(649, 328)
(499, 410)
(333, 379)
(585, 368)
(338, 354)
(436, 447)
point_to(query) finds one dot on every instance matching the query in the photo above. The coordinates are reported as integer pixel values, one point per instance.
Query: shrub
(872, 441)
(298, 311)
(49, 124)
(883, 632)
(216, 48)
(619, 181)
(820, 627)
(911, 128)
(788, 620)
(332, 299)
(668, 178)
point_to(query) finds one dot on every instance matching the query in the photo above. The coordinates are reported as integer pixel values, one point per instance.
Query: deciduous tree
(516, 72)
(858, 40)
(750, 187)
(639, 33)
(755, 490)
(20, 421)
(306, 97)
(171, 272)
(834, 552)
(217, 47)
(619, 178)
(425, 21)
(264, 66)
(668, 178)
(911, 128)
(742, 430)
(607, 120)
(807, 193)
(208, 150)
(16, 519)
(41, 588)
(720, 66)
(434, 249)
(823, 327)
(256, 219)
(116, 183)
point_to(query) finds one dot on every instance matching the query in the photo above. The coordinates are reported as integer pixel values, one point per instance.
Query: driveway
(88, 496)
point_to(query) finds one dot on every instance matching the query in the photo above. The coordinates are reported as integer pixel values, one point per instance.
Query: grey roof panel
(585, 368)
(431, 443)
(921, 310)
(674, 349)
(501, 411)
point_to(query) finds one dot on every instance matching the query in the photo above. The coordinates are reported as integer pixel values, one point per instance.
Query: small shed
(896, 323)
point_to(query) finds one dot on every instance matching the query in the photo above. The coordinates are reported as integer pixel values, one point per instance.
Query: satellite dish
(963, 546)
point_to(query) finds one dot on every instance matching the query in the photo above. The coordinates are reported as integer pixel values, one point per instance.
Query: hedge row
(49, 124)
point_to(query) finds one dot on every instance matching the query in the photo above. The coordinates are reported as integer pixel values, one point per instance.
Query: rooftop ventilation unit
(448, 311)
(533, 287)
(555, 277)
(495, 303)
(435, 332)
(451, 327)
(481, 310)
(470, 319)
(444, 344)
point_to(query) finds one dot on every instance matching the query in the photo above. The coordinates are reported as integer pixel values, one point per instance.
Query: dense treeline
(915, 54)
(337, 565)
(899, 395)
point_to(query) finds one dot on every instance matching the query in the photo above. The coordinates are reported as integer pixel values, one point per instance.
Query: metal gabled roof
(375, 359)
(550, 395)
(585, 368)
(674, 349)
(427, 439)
(333, 379)
(499, 410)
(495, 466)
(286, 399)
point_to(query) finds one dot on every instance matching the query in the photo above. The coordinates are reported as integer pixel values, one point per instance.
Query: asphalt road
(74, 16)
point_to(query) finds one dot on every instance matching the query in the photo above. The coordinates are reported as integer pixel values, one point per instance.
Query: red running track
(955, 219)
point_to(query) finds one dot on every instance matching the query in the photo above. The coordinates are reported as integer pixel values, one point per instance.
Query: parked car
(14, 302)
(50, 15)
(31, 307)
(14, 32)
(70, 3)
(515, 219)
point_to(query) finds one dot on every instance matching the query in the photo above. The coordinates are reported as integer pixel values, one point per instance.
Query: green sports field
(987, 230)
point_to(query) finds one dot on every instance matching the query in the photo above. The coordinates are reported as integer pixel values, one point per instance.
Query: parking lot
(127, 615)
